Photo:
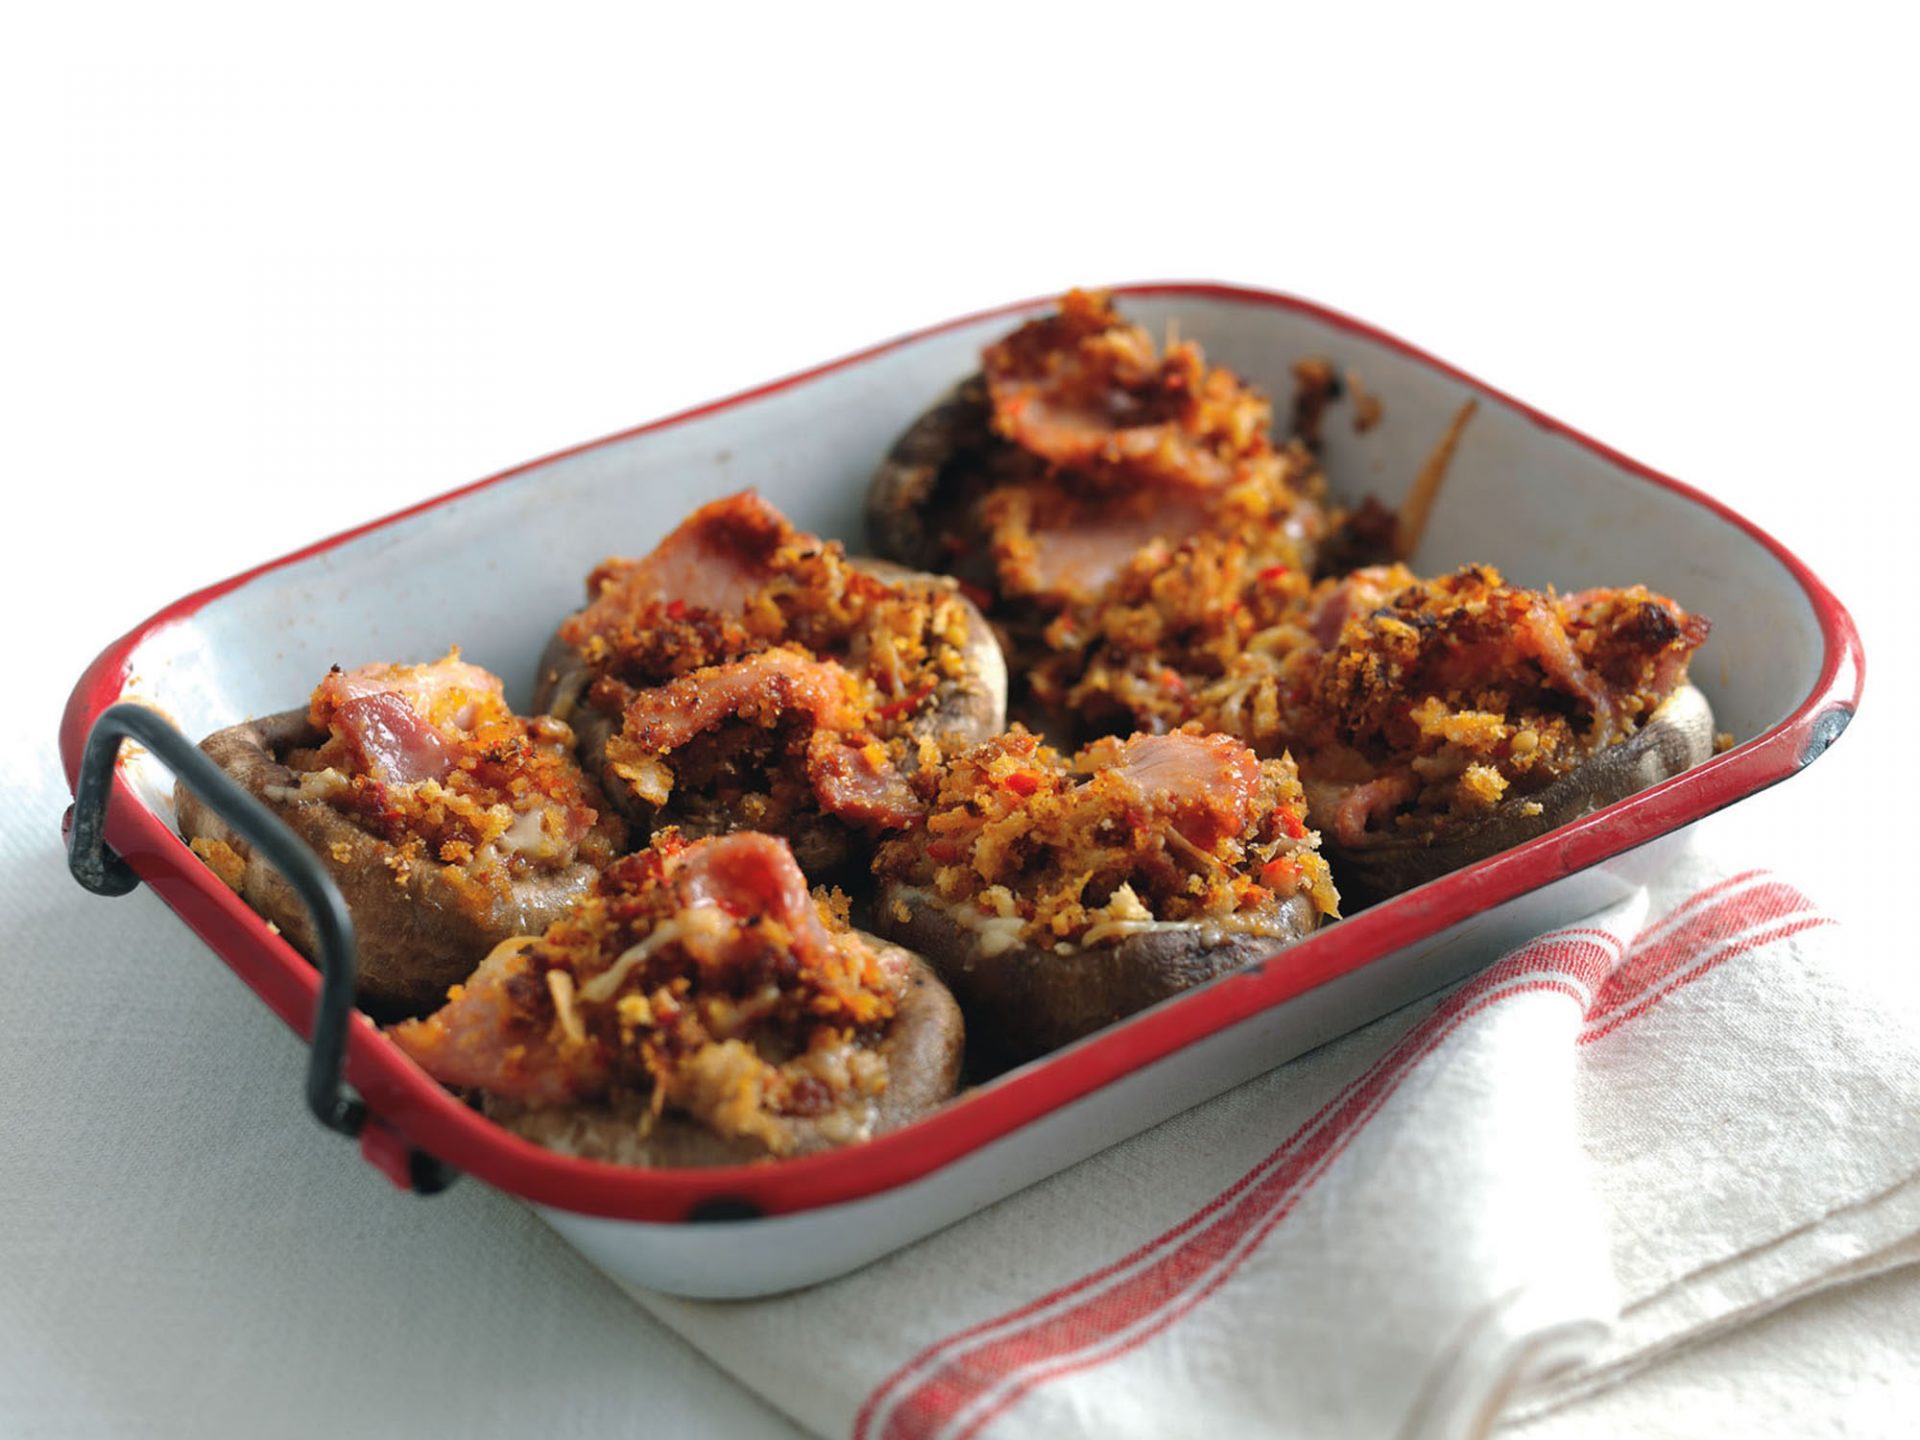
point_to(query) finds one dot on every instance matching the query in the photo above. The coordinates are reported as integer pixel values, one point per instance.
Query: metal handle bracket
(95, 865)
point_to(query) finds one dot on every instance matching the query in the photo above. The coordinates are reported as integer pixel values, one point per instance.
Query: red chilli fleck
(1278, 872)
(906, 705)
(1022, 782)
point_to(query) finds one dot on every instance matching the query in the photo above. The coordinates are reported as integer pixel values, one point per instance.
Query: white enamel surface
(494, 571)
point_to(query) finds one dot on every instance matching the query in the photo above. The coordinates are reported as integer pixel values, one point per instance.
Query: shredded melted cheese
(314, 785)
(601, 988)
(687, 924)
(560, 986)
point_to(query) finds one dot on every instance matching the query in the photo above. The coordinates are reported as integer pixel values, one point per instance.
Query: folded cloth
(1627, 1135)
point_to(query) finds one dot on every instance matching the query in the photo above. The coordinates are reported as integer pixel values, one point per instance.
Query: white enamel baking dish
(493, 567)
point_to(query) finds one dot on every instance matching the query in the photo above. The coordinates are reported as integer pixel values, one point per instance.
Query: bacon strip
(1540, 634)
(387, 739)
(715, 559)
(1205, 786)
(403, 723)
(748, 874)
(1083, 391)
(449, 691)
(1083, 557)
(854, 778)
(1360, 806)
(762, 689)
(1357, 594)
(488, 1036)
(850, 772)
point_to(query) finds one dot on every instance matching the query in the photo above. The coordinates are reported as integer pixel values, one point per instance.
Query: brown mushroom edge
(1023, 1000)
(1677, 736)
(914, 501)
(923, 1049)
(420, 928)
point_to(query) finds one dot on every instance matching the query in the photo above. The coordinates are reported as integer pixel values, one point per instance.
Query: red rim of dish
(404, 1101)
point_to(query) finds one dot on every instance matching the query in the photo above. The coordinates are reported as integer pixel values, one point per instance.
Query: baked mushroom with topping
(747, 675)
(699, 1007)
(1056, 896)
(1077, 447)
(1454, 718)
(448, 822)
(1435, 722)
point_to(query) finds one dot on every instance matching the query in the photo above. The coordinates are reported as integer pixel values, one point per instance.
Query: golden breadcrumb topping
(1170, 828)
(1211, 629)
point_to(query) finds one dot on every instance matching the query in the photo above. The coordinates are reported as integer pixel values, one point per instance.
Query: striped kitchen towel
(1629, 1134)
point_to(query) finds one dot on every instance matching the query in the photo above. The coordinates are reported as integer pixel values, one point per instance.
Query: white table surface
(275, 277)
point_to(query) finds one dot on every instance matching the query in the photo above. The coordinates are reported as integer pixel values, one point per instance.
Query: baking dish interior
(494, 569)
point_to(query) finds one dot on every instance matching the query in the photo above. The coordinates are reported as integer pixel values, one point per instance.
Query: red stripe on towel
(1692, 903)
(1648, 965)
(1712, 962)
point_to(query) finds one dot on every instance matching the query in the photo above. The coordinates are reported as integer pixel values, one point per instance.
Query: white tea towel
(1631, 1133)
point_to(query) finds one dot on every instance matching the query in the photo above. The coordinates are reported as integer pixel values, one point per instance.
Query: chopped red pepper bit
(1278, 872)
(676, 609)
(1292, 823)
(905, 705)
(1022, 782)
(1271, 574)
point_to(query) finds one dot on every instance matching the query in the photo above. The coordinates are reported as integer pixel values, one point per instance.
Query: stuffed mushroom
(448, 822)
(1056, 896)
(747, 675)
(1454, 718)
(1077, 448)
(699, 1007)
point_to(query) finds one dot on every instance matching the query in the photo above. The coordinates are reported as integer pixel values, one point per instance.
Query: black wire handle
(96, 866)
